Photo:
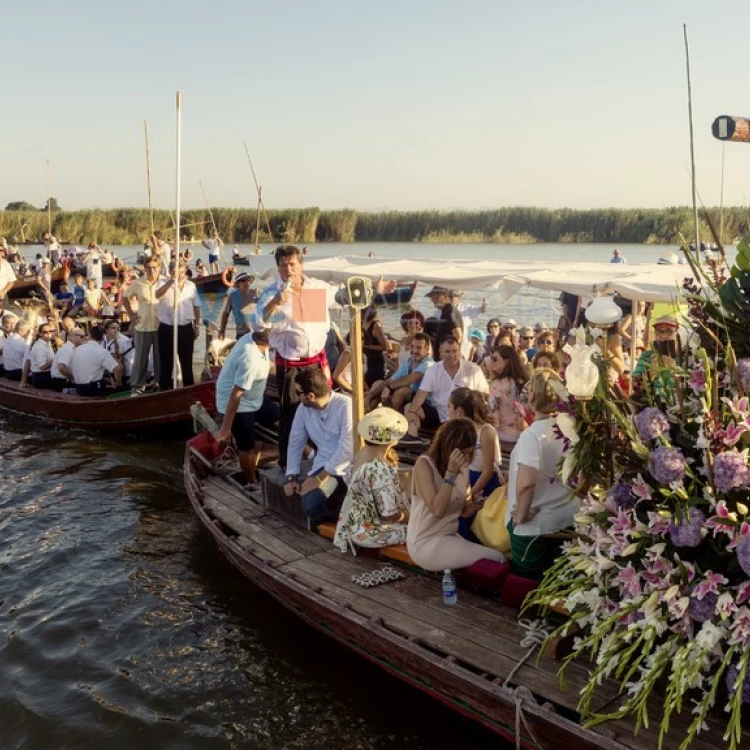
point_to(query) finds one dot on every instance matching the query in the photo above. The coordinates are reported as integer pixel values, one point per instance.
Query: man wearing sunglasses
(526, 342)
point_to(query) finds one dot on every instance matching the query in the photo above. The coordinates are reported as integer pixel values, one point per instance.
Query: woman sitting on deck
(440, 495)
(484, 469)
(376, 508)
(539, 504)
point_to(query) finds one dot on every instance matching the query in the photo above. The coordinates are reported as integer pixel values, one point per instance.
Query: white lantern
(581, 375)
(603, 312)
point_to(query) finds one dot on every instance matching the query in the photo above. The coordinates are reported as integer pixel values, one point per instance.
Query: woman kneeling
(376, 508)
(440, 496)
(539, 504)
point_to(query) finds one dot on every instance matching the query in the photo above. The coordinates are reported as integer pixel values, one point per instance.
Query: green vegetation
(21, 221)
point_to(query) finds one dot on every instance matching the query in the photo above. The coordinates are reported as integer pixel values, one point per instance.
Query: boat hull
(470, 694)
(167, 409)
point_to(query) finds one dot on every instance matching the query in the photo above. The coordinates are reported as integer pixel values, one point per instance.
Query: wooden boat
(211, 283)
(401, 295)
(25, 285)
(461, 656)
(121, 412)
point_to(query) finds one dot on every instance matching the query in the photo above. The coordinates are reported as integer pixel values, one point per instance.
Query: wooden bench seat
(396, 552)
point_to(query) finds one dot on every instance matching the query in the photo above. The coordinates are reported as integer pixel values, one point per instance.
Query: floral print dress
(375, 492)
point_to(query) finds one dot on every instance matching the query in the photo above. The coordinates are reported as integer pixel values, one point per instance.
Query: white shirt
(188, 299)
(40, 354)
(90, 362)
(468, 313)
(300, 326)
(127, 351)
(539, 448)
(94, 265)
(15, 351)
(439, 384)
(331, 431)
(7, 275)
(63, 356)
(166, 257)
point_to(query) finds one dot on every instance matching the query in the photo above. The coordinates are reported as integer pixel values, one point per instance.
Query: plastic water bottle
(450, 597)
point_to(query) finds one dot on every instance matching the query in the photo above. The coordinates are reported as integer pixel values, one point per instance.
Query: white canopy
(649, 282)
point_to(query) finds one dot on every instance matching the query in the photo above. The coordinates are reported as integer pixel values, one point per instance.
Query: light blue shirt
(405, 369)
(246, 367)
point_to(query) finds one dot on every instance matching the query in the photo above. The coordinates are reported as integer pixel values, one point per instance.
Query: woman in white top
(440, 495)
(539, 504)
(188, 326)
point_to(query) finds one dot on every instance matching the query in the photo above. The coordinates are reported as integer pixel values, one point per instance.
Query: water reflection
(121, 626)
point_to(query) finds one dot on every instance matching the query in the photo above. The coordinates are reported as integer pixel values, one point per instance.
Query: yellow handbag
(489, 523)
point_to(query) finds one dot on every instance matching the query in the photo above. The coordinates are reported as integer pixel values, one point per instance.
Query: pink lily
(710, 584)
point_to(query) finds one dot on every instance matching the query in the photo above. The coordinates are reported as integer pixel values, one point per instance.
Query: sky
(410, 105)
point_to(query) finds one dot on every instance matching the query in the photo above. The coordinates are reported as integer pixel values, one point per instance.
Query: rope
(536, 632)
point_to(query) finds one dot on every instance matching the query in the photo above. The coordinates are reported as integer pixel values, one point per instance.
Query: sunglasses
(546, 341)
(527, 338)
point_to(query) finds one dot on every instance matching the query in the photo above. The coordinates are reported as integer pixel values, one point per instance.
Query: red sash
(319, 359)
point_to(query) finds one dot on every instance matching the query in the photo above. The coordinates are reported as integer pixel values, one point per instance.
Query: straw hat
(382, 426)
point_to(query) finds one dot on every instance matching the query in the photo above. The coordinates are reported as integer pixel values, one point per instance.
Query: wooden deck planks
(233, 498)
(474, 646)
(479, 633)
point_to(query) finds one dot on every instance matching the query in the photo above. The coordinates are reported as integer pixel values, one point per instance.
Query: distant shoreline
(130, 226)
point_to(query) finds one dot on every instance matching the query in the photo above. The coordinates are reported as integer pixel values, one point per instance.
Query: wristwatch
(291, 477)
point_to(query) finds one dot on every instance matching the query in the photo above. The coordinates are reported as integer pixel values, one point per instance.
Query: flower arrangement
(658, 573)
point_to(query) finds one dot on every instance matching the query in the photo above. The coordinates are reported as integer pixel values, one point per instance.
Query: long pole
(721, 197)
(358, 396)
(692, 144)
(148, 178)
(257, 224)
(176, 256)
(49, 211)
(258, 190)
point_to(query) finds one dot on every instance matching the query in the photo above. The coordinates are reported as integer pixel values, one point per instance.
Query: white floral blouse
(375, 492)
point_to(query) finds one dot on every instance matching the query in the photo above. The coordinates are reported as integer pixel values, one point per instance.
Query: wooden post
(358, 391)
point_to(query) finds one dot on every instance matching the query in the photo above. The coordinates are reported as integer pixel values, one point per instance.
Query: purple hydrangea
(702, 610)
(622, 496)
(687, 532)
(732, 673)
(730, 471)
(743, 369)
(742, 551)
(650, 423)
(667, 465)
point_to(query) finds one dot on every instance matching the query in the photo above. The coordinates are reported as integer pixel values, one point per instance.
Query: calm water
(121, 625)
